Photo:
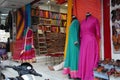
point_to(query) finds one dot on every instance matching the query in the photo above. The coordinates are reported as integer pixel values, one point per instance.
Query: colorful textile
(29, 52)
(18, 46)
(27, 15)
(71, 60)
(20, 22)
(27, 55)
(89, 55)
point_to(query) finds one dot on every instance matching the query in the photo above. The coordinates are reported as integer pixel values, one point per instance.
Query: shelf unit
(42, 45)
(51, 29)
(52, 21)
(49, 20)
(35, 40)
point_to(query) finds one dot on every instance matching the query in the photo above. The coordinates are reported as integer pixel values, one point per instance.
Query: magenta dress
(89, 55)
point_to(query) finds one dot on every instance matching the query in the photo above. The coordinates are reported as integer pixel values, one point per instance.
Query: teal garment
(25, 32)
(28, 47)
(72, 52)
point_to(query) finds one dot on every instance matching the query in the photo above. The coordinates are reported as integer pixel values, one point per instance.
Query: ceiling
(6, 5)
(49, 2)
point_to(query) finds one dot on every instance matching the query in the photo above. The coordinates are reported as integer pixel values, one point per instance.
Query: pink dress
(89, 55)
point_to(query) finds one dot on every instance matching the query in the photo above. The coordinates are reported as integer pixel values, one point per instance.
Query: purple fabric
(89, 55)
(2, 51)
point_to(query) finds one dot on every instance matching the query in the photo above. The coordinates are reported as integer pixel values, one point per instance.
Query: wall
(63, 10)
(81, 7)
(3, 18)
(44, 7)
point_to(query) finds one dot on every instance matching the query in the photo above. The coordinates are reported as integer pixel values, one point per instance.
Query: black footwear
(69, 76)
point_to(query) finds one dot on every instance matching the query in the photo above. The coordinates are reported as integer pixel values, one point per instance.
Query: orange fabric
(18, 18)
(69, 14)
(20, 31)
(20, 22)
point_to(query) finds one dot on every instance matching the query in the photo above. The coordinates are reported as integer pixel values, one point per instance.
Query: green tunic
(72, 52)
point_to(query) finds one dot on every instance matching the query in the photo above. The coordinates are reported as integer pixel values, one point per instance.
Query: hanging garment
(29, 52)
(89, 55)
(72, 53)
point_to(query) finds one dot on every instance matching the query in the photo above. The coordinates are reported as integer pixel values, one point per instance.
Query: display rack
(53, 25)
(35, 39)
(35, 16)
(56, 21)
(115, 25)
(42, 45)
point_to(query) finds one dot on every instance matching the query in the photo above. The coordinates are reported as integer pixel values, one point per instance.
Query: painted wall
(63, 10)
(44, 7)
(81, 7)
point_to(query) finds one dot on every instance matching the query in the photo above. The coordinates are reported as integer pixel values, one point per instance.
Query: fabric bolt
(89, 54)
(2, 51)
(71, 60)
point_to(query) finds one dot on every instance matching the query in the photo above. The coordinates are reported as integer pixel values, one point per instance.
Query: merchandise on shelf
(50, 25)
(108, 69)
(49, 18)
(42, 45)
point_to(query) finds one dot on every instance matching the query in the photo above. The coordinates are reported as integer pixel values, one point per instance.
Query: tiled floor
(41, 68)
